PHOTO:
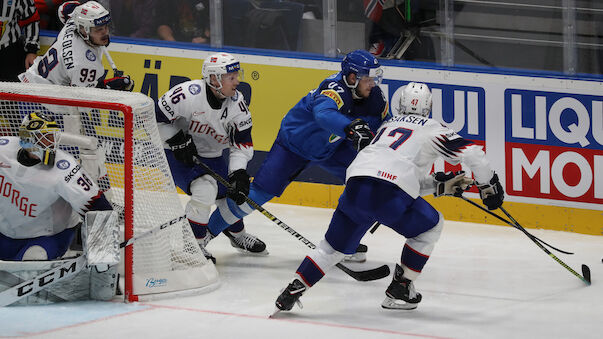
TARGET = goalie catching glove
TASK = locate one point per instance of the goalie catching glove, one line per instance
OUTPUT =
(492, 193)
(120, 83)
(451, 183)
(183, 147)
(239, 186)
(359, 133)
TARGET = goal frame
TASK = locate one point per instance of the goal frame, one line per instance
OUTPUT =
(128, 180)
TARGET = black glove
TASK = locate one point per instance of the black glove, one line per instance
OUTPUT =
(359, 133)
(451, 183)
(239, 186)
(183, 147)
(120, 83)
(492, 193)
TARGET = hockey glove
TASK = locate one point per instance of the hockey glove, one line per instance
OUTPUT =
(239, 186)
(359, 133)
(183, 147)
(492, 193)
(119, 83)
(451, 183)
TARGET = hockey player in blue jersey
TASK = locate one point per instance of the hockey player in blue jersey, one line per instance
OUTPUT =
(327, 128)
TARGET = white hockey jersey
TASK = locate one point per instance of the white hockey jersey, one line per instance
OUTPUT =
(70, 61)
(40, 200)
(212, 130)
(405, 148)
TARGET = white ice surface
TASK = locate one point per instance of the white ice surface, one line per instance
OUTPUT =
(482, 281)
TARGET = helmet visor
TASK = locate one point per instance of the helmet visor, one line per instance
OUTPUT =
(375, 74)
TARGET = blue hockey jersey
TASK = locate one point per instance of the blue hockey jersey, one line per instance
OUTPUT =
(314, 127)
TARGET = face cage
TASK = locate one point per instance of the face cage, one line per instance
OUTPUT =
(42, 144)
(241, 77)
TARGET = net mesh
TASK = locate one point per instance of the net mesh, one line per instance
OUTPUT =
(164, 261)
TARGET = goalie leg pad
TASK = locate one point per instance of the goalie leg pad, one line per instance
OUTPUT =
(318, 262)
(103, 283)
(100, 233)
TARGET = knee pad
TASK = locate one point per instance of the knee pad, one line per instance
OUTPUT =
(204, 190)
(325, 256)
(425, 242)
(35, 252)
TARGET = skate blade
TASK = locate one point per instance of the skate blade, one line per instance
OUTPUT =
(275, 312)
(254, 254)
(396, 304)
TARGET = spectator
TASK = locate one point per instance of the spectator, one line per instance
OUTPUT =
(184, 20)
(134, 18)
(19, 37)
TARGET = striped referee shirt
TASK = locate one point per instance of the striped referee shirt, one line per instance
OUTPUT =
(19, 17)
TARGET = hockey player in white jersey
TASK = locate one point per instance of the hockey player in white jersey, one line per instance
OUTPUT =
(75, 58)
(44, 193)
(385, 183)
(203, 118)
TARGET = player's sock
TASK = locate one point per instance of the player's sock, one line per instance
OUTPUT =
(400, 293)
(203, 238)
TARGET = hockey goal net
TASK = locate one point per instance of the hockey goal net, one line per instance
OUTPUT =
(120, 127)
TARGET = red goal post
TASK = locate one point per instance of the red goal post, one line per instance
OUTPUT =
(120, 130)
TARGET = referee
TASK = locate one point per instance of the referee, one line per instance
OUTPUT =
(19, 37)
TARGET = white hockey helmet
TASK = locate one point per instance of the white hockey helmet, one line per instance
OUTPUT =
(219, 64)
(415, 99)
(39, 135)
(88, 15)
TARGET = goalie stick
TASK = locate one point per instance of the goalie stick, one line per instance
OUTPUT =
(368, 275)
(585, 277)
(66, 270)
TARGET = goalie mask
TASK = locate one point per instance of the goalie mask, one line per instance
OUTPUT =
(88, 16)
(219, 65)
(39, 135)
(363, 64)
(415, 99)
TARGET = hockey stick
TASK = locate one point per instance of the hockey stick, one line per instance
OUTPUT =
(530, 235)
(116, 72)
(585, 269)
(372, 274)
(66, 270)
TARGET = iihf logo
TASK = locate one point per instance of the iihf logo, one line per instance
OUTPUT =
(63, 164)
(90, 55)
(194, 89)
(3, 142)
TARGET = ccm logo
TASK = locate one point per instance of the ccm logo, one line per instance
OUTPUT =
(45, 280)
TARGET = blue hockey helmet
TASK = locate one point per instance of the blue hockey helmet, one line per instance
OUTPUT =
(363, 64)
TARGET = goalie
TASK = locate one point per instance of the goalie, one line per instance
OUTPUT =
(45, 192)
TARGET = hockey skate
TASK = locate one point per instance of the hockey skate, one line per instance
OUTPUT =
(246, 243)
(290, 296)
(401, 294)
(203, 243)
(359, 256)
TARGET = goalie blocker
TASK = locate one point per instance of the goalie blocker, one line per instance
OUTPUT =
(92, 276)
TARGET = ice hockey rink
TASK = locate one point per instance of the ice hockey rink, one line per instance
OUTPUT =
(482, 281)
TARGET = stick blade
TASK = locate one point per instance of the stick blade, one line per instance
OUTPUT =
(586, 273)
(368, 275)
